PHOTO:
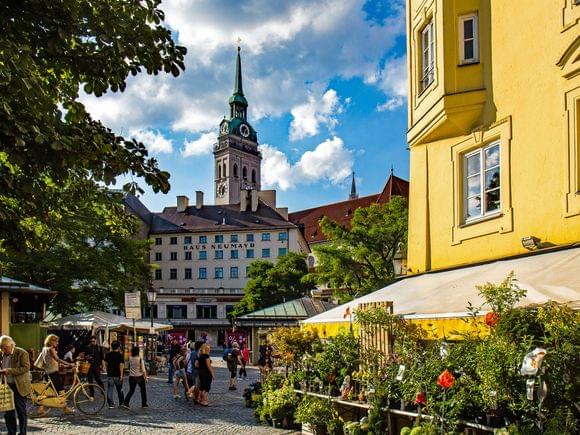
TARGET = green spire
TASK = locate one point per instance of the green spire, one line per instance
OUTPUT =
(238, 90)
(238, 103)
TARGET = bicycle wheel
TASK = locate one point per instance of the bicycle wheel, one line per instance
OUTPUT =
(87, 402)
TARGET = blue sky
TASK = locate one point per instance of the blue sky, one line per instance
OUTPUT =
(325, 82)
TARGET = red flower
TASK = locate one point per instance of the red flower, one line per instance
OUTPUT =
(491, 319)
(446, 379)
(421, 399)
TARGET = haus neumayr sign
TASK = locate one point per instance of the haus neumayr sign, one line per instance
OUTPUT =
(208, 246)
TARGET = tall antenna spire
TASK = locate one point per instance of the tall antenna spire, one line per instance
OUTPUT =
(353, 194)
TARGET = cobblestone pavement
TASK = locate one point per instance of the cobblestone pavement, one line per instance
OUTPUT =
(225, 415)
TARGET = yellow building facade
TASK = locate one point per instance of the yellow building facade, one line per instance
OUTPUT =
(494, 129)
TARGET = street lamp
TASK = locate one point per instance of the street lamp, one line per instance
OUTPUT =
(152, 298)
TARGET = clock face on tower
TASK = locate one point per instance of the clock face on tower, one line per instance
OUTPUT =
(244, 130)
(222, 190)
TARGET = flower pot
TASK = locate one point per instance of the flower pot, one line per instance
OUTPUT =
(493, 420)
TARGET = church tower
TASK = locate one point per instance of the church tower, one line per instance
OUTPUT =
(236, 155)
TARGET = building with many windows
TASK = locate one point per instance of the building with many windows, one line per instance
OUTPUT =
(494, 110)
(494, 139)
(201, 253)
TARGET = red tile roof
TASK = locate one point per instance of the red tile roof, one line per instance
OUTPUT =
(342, 212)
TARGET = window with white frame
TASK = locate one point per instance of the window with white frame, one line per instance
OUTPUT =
(481, 182)
(468, 39)
(427, 55)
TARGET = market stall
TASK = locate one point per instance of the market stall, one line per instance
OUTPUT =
(438, 300)
(107, 327)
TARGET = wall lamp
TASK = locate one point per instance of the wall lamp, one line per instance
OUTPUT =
(530, 242)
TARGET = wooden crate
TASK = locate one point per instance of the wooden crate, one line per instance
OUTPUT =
(375, 340)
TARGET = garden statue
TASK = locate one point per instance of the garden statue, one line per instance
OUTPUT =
(345, 388)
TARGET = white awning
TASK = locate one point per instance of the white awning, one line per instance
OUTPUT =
(552, 276)
(101, 320)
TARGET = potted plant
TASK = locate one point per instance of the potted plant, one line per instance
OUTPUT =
(281, 405)
(316, 413)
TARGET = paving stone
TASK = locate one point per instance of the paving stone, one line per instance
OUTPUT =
(225, 415)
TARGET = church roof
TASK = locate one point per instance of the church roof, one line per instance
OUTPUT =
(343, 211)
(211, 218)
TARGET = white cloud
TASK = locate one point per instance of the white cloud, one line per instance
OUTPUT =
(153, 140)
(290, 52)
(276, 170)
(330, 161)
(309, 116)
(392, 80)
(201, 146)
(391, 104)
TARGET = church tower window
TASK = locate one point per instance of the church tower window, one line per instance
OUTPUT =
(253, 175)
(235, 170)
(245, 173)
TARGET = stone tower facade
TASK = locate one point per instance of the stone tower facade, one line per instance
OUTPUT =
(236, 155)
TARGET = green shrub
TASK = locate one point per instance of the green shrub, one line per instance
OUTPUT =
(314, 411)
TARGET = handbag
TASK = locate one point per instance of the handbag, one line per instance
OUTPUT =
(6, 396)
(40, 362)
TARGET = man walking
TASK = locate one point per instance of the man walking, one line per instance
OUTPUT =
(16, 368)
(94, 355)
(115, 365)
(174, 350)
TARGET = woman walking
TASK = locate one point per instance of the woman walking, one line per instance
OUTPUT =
(49, 359)
(179, 374)
(206, 374)
(137, 376)
(193, 372)
(245, 360)
(234, 359)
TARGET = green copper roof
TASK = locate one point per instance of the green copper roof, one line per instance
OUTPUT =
(298, 309)
(239, 99)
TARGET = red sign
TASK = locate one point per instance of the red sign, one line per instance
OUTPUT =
(238, 336)
(179, 334)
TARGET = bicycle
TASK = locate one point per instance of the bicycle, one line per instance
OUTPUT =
(88, 398)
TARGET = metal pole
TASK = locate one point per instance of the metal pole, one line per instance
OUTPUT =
(153, 339)
(134, 334)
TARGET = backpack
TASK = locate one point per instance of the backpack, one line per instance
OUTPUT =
(227, 356)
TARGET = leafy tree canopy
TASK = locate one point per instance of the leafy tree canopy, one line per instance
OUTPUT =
(271, 284)
(359, 260)
(60, 225)
(90, 260)
(52, 153)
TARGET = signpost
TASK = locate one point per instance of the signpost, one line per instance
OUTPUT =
(133, 309)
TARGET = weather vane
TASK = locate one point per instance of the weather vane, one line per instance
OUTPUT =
(239, 40)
